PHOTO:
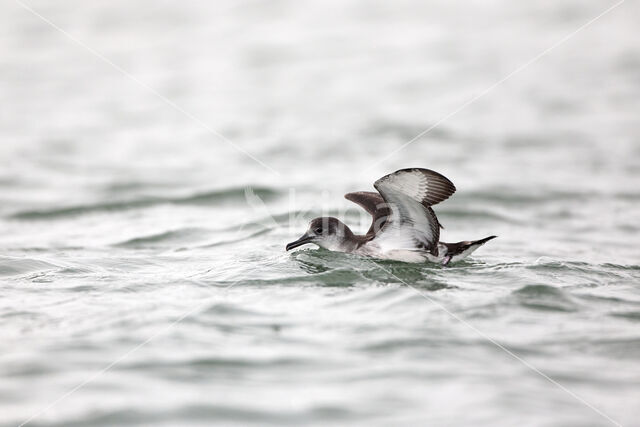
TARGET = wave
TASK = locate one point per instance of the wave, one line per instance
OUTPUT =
(510, 196)
(18, 266)
(239, 239)
(476, 215)
(172, 236)
(544, 297)
(342, 277)
(211, 413)
(204, 198)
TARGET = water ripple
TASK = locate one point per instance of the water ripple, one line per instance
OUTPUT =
(204, 198)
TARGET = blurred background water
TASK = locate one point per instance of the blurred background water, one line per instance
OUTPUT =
(127, 234)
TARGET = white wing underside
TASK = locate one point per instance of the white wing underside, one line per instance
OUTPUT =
(408, 227)
(412, 225)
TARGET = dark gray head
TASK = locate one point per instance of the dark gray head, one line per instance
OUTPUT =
(327, 232)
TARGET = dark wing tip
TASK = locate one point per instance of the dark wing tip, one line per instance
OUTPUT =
(369, 200)
(373, 203)
(438, 187)
(358, 195)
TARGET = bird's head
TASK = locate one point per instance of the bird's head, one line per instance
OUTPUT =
(327, 232)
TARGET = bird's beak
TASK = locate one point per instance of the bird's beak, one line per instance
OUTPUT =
(306, 238)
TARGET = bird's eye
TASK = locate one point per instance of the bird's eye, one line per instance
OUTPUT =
(318, 230)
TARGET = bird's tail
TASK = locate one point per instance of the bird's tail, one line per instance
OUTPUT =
(462, 250)
(482, 241)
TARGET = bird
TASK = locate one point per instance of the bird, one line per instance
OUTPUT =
(404, 226)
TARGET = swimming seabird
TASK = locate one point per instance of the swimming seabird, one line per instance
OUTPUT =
(404, 227)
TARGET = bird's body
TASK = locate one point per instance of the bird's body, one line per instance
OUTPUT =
(447, 252)
(404, 227)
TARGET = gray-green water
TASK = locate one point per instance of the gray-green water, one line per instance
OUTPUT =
(141, 284)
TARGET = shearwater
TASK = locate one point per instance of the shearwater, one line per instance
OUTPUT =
(404, 226)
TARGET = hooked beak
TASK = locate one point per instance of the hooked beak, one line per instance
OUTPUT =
(306, 238)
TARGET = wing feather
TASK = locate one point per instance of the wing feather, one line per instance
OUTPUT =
(423, 185)
(412, 224)
(373, 203)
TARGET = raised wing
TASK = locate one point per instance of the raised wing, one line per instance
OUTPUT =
(373, 203)
(422, 185)
(412, 224)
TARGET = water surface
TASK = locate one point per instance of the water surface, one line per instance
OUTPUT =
(136, 266)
